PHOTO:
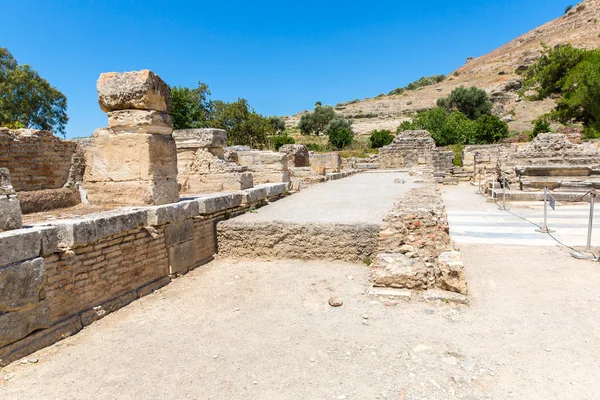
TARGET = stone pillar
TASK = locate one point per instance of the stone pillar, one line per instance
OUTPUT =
(134, 160)
(10, 209)
(201, 162)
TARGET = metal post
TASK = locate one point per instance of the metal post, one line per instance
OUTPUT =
(591, 221)
(504, 194)
(544, 229)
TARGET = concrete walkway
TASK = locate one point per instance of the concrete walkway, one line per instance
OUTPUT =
(363, 198)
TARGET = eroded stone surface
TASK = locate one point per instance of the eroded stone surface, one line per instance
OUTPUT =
(21, 284)
(451, 273)
(200, 138)
(10, 208)
(297, 155)
(140, 121)
(140, 90)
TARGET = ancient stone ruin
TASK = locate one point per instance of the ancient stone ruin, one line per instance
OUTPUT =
(412, 149)
(201, 162)
(134, 160)
(265, 166)
(10, 208)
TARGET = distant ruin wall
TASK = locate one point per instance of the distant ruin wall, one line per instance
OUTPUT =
(57, 278)
(36, 160)
(415, 149)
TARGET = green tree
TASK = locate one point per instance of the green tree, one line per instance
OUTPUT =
(314, 123)
(457, 129)
(278, 124)
(380, 138)
(243, 124)
(191, 107)
(490, 129)
(540, 125)
(27, 99)
(473, 102)
(340, 133)
(547, 76)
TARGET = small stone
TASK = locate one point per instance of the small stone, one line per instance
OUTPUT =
(335, 301)
(214, 357)
(420, 348)
(428, 312)
(255, 382)
(312, 360)
(33, 361)
(365, 317)
(365, 322)
(341, 397)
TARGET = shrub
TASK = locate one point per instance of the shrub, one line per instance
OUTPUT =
(568, 8)
(340, 133)
(473, 102)
(316, 147)
(540, 125)
(314, 123)
(424, 81)
(380, 138)
(279, 140)
(405, 126)
(457, 149)
(491, 129)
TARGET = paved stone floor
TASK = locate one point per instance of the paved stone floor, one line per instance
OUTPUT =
(250, 329)
(363, 198)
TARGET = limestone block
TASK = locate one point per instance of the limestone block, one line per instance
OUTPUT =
(93, 227)
(260, 177)
(140, 90)
(21, 284)
(255, 195)
(297, 155)
(200, 138)
(19, 245)
(330, 161)
(6, 187)
(181, 257)
(164, 214)
(10, 213)
(158, 191)
(227, 181)
(220, 202)
(275, 189)
(451, 275)
(16, 325)
(179, 232)
(131, 157)
(140, 121)
(262, 161)
(303, 172)
(400, 271)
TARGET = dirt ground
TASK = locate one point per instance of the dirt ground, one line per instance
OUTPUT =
(249, 329)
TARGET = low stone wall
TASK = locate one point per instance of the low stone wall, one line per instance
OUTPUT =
(57, 278)
(415, 247)
(287, 240)
(332, 162)
(49, 199)
(415, 149)
(36, 160)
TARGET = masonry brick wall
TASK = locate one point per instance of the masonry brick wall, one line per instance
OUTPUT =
(36, 159)
(88, 276)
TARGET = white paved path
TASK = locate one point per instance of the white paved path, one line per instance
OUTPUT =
(473, 220)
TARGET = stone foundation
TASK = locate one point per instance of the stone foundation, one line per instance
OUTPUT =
(265, 166)
(331, 162)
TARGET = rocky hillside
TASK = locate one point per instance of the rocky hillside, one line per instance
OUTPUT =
(494, 72)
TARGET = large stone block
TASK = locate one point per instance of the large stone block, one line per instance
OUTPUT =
(166, 213)
(6, 187)
(332, 162)
(10, 213)
(16, 325)
(156, 192)
(140, 121)
(200, 138)
(260, 177)
(205, 183)
(451, 275)
(220, 202)
(181, 257)
(140, 90)
(131, 157)
(179, 232)
(297, 155)
(21, 284)
(19, 245)
(262, 160)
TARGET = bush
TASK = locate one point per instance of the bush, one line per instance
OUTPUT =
(314, 123)
(568, 8)
(279, 140)
(380, 138)
(340, 133)
(424, 81)
(491, 129)
(540, 125)
(405, 126)
(457, 149)
(473, 102)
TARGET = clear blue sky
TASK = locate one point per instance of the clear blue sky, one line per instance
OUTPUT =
(282, 56)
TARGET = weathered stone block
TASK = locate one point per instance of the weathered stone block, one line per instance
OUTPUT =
(131, 157)
(227, 181)
(181, 257)
(140, 90)
(160, 191)
(255, 195)
(6, 186)
(220, 202)
(266, 176)
(93, 227)
(21, 284)
(16, 325)
(19, 245)
(297, 155)
(332, 162)
(400, 271)
(275, 189)
(10, 213)
(140, 121)
(451, 275)
(200, 138)
(164, 214)
(179, 232)
(259, 161)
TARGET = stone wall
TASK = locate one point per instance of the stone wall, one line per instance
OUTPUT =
(415, 149)
(332, 162)
(59, 277)
(265, 166)
(36, 159)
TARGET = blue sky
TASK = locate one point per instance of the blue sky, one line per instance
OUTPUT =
(282, 56)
